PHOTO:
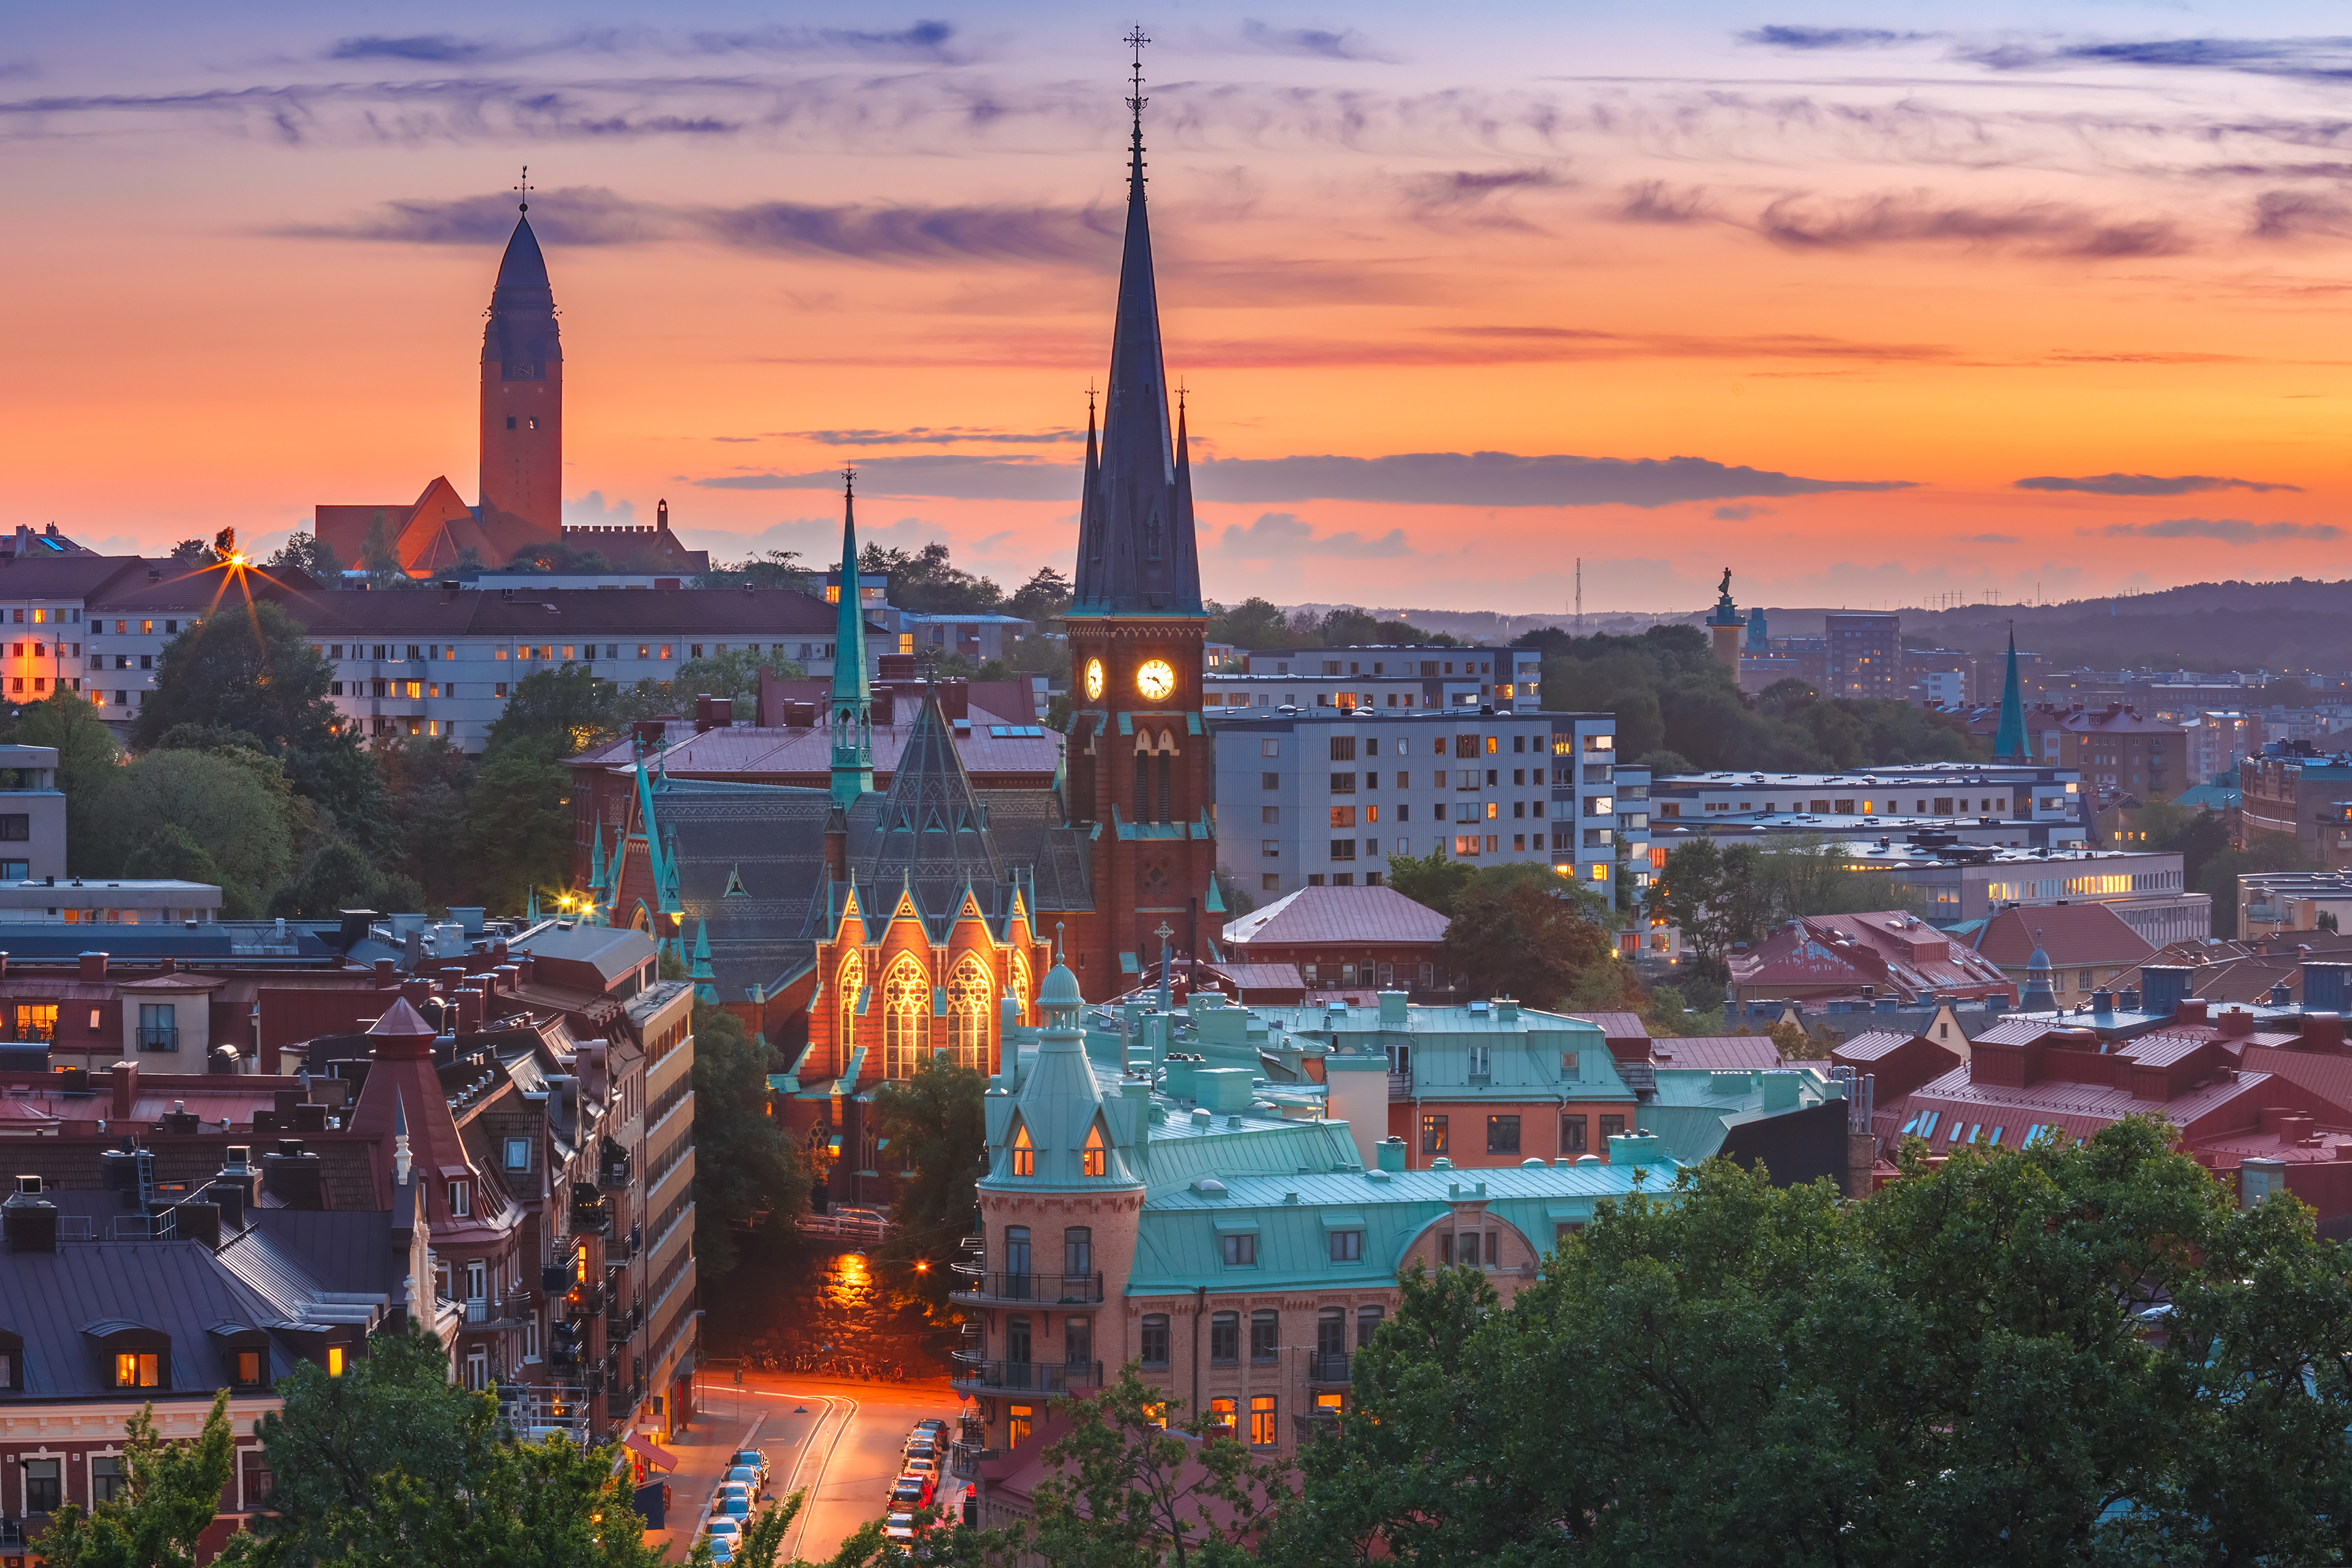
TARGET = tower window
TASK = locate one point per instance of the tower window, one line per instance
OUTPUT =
(511, 422)
(534, 422)
(1095, 1158)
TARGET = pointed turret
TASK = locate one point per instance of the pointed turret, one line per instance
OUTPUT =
(1137, 555)
(705, 978)
(853, 697)
(2011, 742)
(1056, 1134)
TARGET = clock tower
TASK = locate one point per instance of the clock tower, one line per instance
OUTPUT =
(1138, 753)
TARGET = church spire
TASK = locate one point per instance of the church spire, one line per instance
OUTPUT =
(1137, 555)
(2011, 742)
(852, 706)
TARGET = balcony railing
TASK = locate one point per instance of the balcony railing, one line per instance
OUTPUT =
(1028, 1376)
(159, 1037)
(1056, 1290)
(489, 1312)
(591, 1217)
(1328, 1367)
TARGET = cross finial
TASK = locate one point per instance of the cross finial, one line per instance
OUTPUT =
(1057, 942)
(523, 186)
(849, 483)
(1136, 39)
(1090, 397)
(1180, 390)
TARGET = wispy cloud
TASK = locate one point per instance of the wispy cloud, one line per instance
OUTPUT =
(1318, 43)
(1789, 37)
(2059, 228)
(1281, 536)
(2145, 484)
(1992, 538)
(1079, 237)
(591, 511)
(945, 435)
(1425, 479)
(2227, 530)
(923, 41)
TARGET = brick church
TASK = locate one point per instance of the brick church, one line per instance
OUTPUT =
(859, 928)
(520, 505)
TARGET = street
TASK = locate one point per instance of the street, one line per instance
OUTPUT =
(841, 1441)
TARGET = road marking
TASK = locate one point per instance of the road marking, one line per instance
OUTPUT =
(834, 1404)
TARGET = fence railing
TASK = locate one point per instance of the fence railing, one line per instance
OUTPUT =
(1028, 1376)
(1057, 1289)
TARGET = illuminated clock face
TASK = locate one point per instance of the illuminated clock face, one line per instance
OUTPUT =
(1093, 679)
(1156, 679)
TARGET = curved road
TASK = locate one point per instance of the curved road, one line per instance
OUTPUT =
(842, 1441)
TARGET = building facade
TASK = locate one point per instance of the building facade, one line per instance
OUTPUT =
(1378, 677)
(2119, 753)
(1865, 654)
(2297, 793)
(1322, 797)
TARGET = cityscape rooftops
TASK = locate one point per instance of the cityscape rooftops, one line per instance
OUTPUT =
(2072, 934)
(1337, 916)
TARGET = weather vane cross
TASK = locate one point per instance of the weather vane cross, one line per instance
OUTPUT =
(1136, 39)
(523, 186)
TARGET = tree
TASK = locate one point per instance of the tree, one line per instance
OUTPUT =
(425, 779)
(338, 876)
(767, 569)
(87, 760)
(937, 1132)
(1434, 879)
(194, 555)
(169, 808)
(1252, 623)
(171, 1492)
(255, 672)
(1519, 938)
(518, 822)
(567, 707)
(1123, 1491)
(307, 553)
(390, 1465)
(555, 558)
(2067, 1352)
(926, 582)
(745, 1169)
(380, 558)
(1045, 597)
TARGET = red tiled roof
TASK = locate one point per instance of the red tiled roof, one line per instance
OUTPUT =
(2052, 1099)
(1337, 915)
(1888, 950)
(2071, 934)
(1260, 976)
(1616, 1025)
(1717, 1053)
(2324, 1075)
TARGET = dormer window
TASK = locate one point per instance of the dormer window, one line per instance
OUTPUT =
(1025, 1153)
(138, 1368)
(461, 1201)
(1094, 1158)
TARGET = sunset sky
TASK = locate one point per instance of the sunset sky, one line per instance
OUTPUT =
(1871, 304)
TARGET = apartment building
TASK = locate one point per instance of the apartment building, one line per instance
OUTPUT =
(1399, 678)
(1950, 883)
(1322, 796)
(2023, 805)
(441, 661)
(1865, 654)
(2117, 751)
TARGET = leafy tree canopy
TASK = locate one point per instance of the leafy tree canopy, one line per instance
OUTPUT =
(935, 1127)
(307, 552)
(170, 1494)
(744, 1167)
(764, 569)
(926, 582)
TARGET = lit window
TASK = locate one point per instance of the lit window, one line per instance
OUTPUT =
(335, 1360)
(1025, 1153)
(1094, 1158)
(1264, 1432)
(136, 1368)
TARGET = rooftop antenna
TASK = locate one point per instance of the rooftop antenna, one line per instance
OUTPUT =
(523, 186)
(1057, 942)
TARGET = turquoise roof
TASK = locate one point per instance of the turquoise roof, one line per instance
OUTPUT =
(1179, 1242)
(1694, 1110)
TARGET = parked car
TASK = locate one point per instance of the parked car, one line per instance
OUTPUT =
(923, 1465)
(732, 1497)
(909, 1492)
(727, 1530)
(756, 1460)
(934, 1425)
(751, 1477)
(924, 1481)
(723, 1549)
(899, 1527)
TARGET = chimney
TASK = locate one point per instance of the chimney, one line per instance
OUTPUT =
(2191, 1010)
(417, 991)
(125, 1083)
(2324, 1032)
(28, 1222)
(722, 713)
(93, 966)
(293, 1176)
(386, 971)
(661, 517)
(702, 713)
(197, 1222)
(2236, 1022)
(469, 1009)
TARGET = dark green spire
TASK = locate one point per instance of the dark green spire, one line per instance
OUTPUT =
(2011, 742)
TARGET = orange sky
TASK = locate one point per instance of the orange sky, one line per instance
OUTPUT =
(252, 252)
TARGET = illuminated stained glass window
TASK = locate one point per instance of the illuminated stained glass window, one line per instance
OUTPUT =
(851, 981)
(1095, 1157)
(906, 1020)
(968, 1005)
(1025, 1153)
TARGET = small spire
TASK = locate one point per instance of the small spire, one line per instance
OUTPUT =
(1136, 39)
(523, 186)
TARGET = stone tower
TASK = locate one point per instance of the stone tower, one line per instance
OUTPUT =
(523, 402)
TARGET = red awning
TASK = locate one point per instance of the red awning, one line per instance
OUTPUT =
(649, 1453)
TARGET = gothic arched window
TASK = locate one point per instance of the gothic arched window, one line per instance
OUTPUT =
(849, 984)
(1021, 983)
(968, 1005)
(906, 1018)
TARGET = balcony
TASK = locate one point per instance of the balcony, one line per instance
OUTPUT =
(591, 1215)
(1054, 1290)
(159, 1037)
(1328, 1369)
(1040, 1378)
(613, 1167)
(489, 1312)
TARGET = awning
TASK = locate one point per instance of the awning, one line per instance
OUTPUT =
(649, 1453)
